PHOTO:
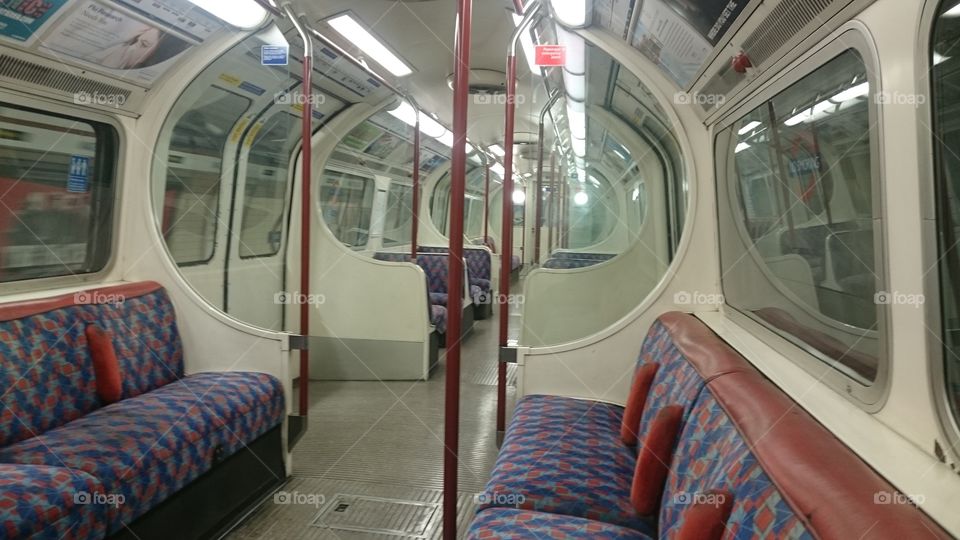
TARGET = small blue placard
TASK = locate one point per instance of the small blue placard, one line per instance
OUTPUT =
(274, 55)
(78, 181)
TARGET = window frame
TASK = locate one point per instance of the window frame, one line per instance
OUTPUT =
(109, 155)
(929, 169)
(868, 397)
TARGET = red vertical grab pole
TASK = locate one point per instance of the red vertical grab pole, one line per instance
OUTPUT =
(306, 214)
(486, 203)
(416, 190)
(506, 230)
(458, 172)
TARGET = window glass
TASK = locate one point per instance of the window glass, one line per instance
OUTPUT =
(397, 227)
(799, 252)
(946, 101)
(192, 193)
(347, 204)
(56, 195)
(266, 187)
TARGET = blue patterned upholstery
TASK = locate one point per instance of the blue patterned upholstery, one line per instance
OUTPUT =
(148, 447)
(569, 264)
(50, 503)
(512, 524)
(438, 299)
(438, 318)
(713, 455)
(437, 268)
(478, 261)
(600, 257)
(47, 376)
(565, 456)
(515, 263)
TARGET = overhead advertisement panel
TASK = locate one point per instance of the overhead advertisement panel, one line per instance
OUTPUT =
(180, 14)
(614, 15)
(680, 35)
(115, 42)
(20, 20)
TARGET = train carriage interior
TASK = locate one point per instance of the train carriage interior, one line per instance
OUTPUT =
(493, 269)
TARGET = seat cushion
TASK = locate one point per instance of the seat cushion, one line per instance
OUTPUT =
(439, 299)
(484, 284)
(54, 503)
(515, 262)
(564, 456)
(148, 447)
(511, 523)
(438, 318)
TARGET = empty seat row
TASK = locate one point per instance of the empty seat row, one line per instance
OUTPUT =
(100, 422)
(705, 448)
(479, 265)
(566, 260)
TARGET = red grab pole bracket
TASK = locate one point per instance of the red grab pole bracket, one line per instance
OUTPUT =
(506, 231)
(416, 190)
(306, 214)
(461, 94)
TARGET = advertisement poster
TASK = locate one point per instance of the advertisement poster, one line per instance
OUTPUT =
(710, 18)
(668, 40)
(20, 20)
(385, 146)
(116, 43)
(614, 15)
(361, 136)
(180, 14)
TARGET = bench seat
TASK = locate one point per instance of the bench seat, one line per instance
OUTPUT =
(48, 503)
(512, 523)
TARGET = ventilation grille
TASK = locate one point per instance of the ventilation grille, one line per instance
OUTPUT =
(786, 21)
(56, 79)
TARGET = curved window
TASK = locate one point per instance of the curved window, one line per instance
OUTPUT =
(800, 233)
(946, 107)
(473, 204)
(347, 204)
(192, 193)
(265, 191)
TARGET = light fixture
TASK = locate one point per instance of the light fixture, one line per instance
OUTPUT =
(572, 12)
(741, 147)
(349, 28)
(579, 147)
(581, 198)
(939, 58)
(519, 197)
(240, 13)
(497, 169)
(801, 117)
(428, 126)
(636, 193)
(577, 119)
(952, 12)
(498, 150)
(749, 127)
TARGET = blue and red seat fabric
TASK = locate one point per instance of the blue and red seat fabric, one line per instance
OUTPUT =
(564, 468)
(69, 461)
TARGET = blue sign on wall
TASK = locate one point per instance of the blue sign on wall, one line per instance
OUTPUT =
(78, 180)
(274, 55)
(19, 20)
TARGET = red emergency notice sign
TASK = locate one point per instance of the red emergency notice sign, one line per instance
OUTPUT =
(551, 55)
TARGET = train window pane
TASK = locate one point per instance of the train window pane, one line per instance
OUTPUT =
(799, 236)
(397, 227)
(473, 204)
(347, 204)
(946, 101)
(265, 191)
(192, 193)
(56, 195)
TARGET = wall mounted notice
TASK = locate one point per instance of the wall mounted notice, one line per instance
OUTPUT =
(180, 14)
(614, 15)
(20, 19)
(115, 42)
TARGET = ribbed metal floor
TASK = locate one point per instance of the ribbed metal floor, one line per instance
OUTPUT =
(385, 440)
